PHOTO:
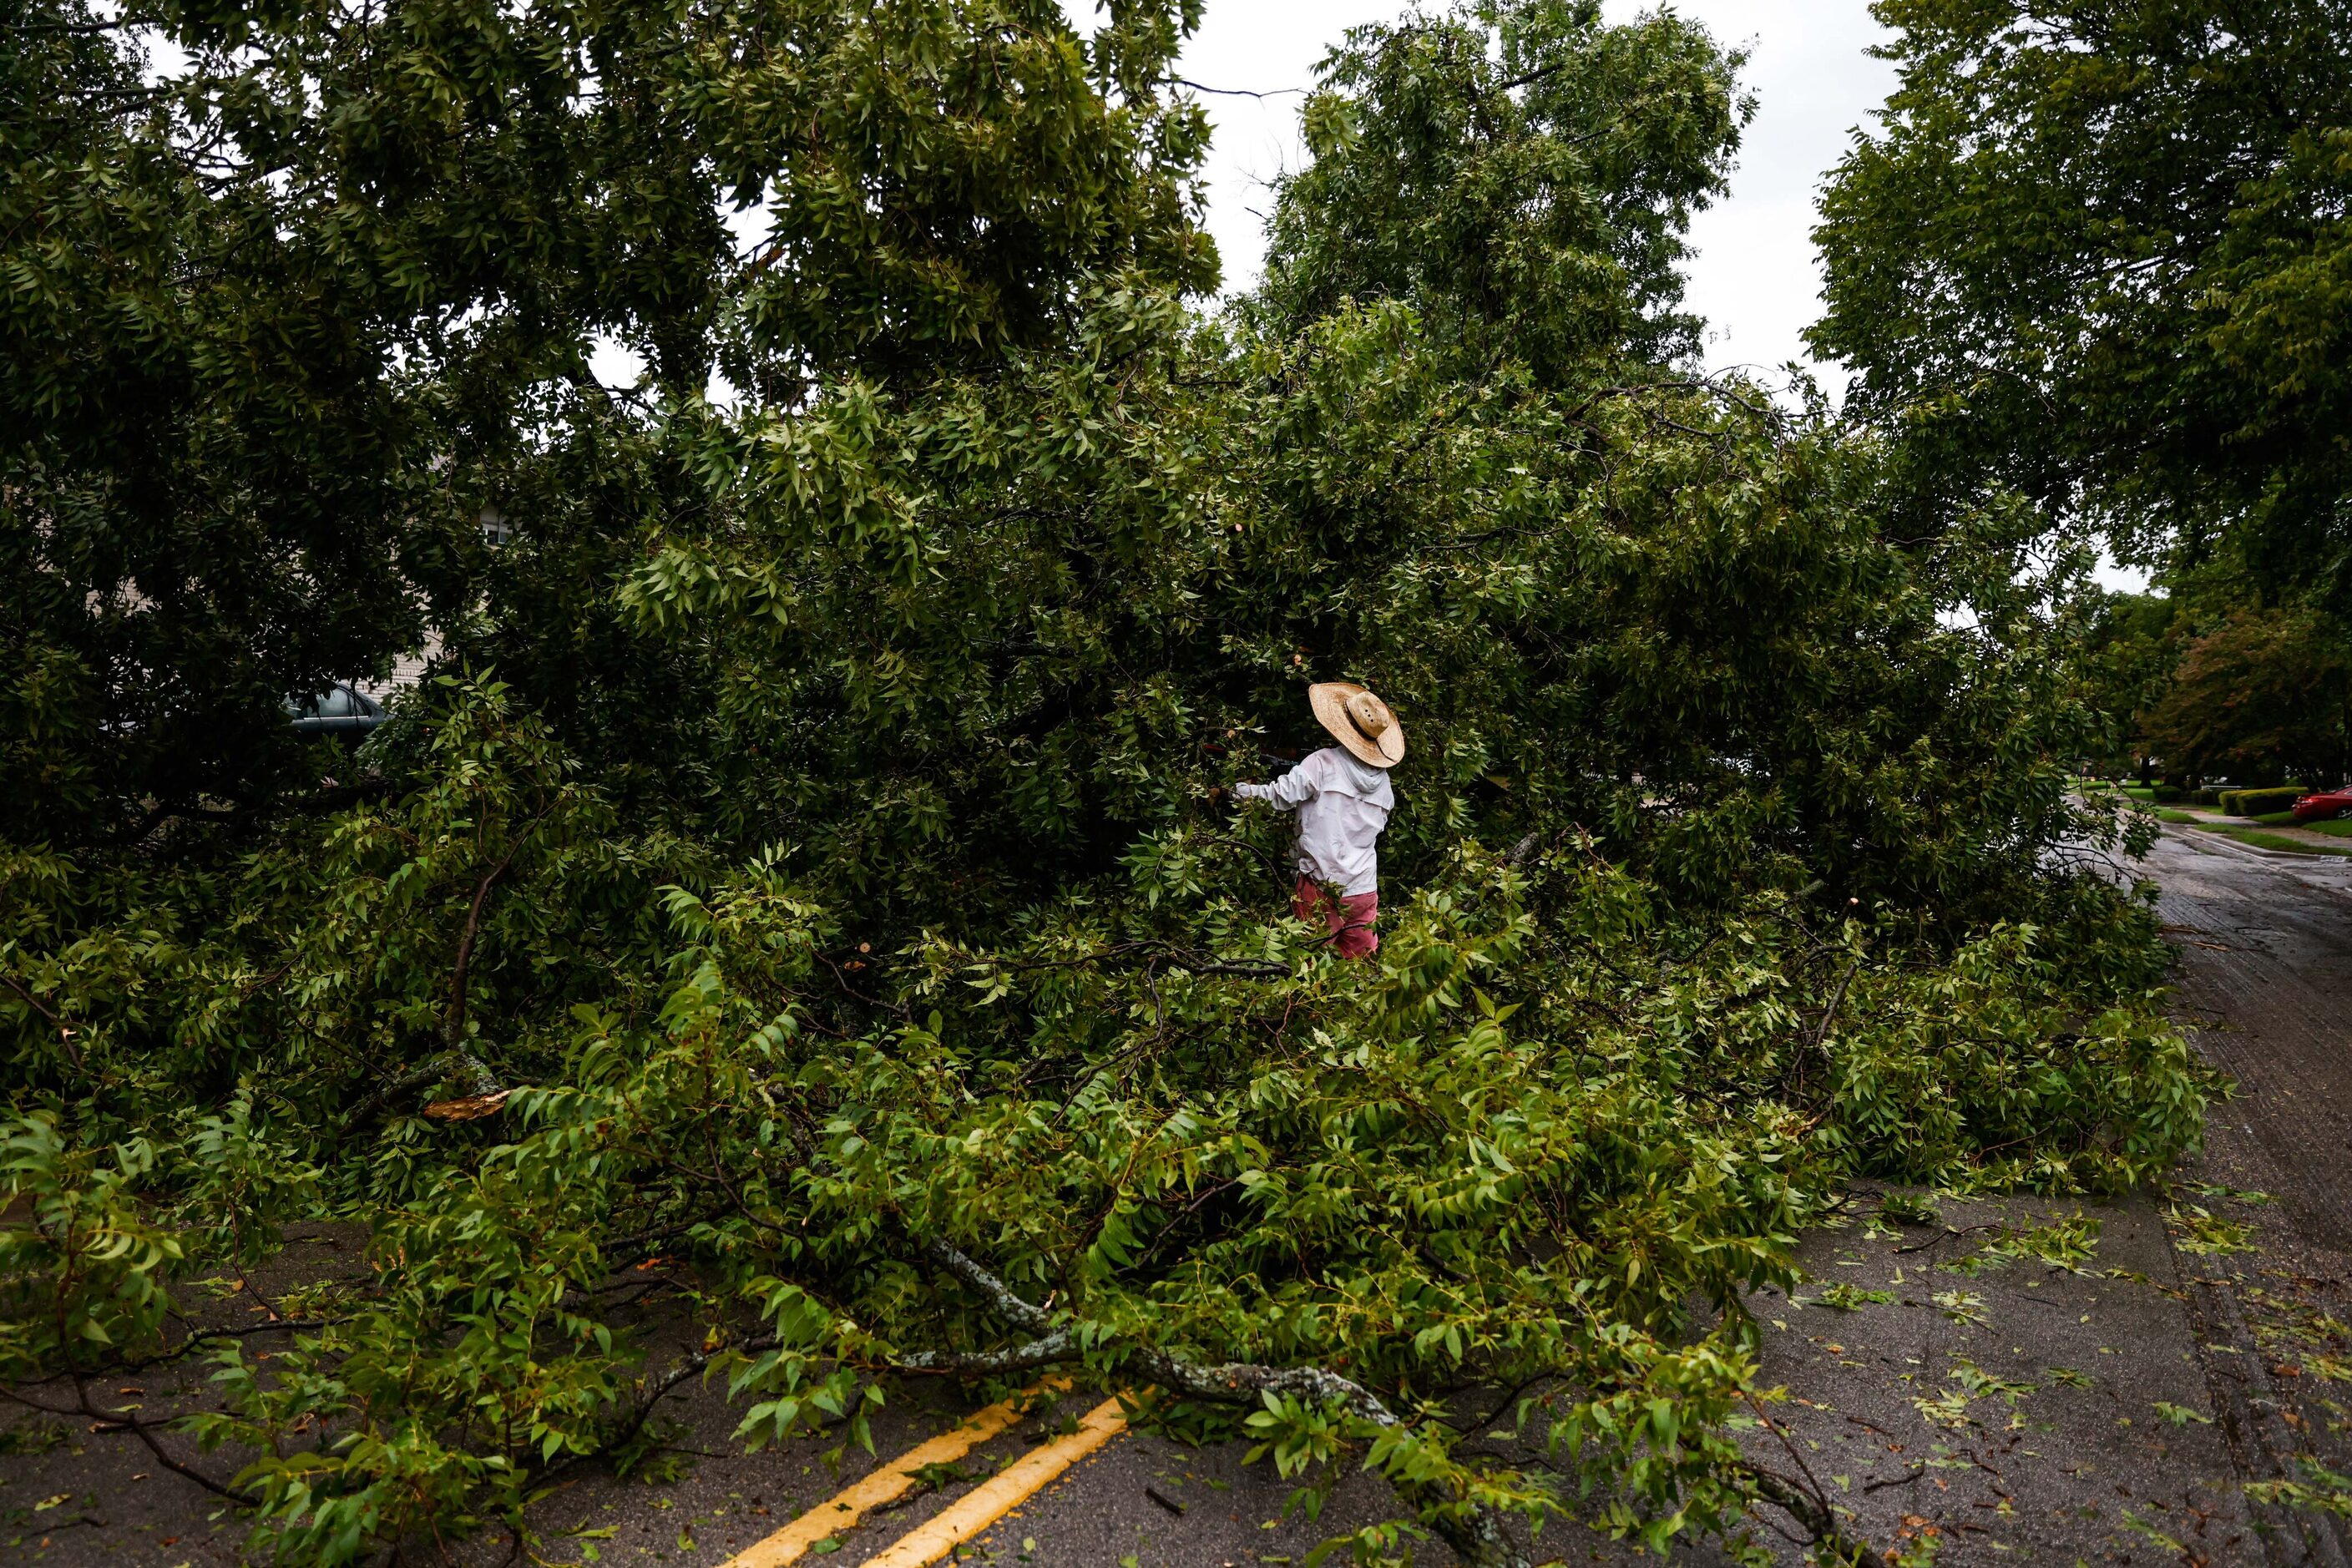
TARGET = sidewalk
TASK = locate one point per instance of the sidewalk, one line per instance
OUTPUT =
(2205, 819)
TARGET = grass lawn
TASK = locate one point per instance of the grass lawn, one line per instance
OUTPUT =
(2274, 819)
(2341, 829)
(2261, 840)
(2166, 813)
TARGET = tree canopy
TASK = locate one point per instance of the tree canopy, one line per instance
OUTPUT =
(2099, 254)
(279, 322)
(806, 863)
(2208, 686)
(2259, 698)
(1526, 184)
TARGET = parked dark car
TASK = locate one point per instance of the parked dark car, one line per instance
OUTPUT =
(340, 710)
(2325, 806)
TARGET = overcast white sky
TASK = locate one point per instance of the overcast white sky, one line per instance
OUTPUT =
(1754, 279)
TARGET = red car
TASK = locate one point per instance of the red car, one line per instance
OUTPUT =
(2325, 806)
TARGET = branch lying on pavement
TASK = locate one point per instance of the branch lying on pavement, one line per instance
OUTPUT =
(1810, 1512)
(1047, 1352)
(108, 1422)
(1475, 1533)
(1805, 1502)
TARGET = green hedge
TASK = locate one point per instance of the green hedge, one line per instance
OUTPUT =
(2255, 802)
(2165, 794)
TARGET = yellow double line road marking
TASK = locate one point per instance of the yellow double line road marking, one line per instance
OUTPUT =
(968, 1515)
(982, 1507)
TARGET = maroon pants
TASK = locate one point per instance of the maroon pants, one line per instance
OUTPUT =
(1350, 919)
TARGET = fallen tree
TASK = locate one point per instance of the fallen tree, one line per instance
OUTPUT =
(809, 864)
(1346, 1202)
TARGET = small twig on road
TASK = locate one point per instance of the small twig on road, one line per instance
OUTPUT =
(106, 1423)
(1949, 1232)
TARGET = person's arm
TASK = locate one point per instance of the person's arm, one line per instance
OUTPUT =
(1288, 792)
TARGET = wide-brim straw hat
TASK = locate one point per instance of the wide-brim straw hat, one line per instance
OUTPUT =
(1358, 720)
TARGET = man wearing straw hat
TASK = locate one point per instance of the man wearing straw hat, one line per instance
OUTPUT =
(1343, 800)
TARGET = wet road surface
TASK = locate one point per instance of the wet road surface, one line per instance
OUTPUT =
(2266, 980)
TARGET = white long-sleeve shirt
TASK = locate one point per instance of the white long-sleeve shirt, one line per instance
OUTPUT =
(1342, 806)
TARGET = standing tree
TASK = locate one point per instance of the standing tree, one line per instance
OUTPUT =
(1526, 185)
(2129, 647)
(2101, 254)
(2259, 698)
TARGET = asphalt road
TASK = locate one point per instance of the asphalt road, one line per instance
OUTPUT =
(1997, 1412)
(2265, 940)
